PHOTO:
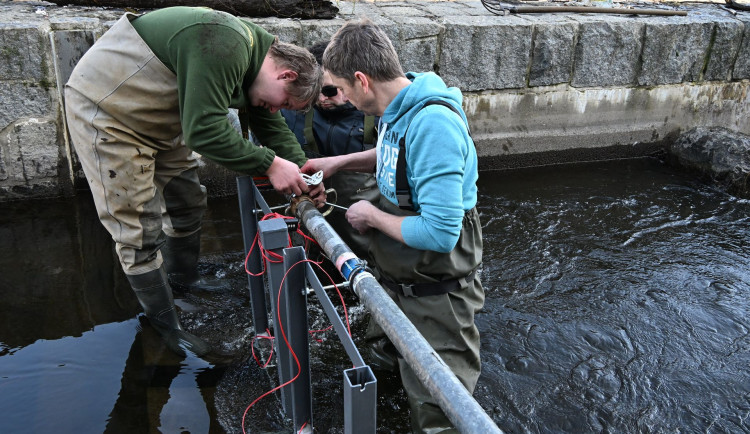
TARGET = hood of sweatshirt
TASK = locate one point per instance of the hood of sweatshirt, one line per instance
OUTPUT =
(425, 87)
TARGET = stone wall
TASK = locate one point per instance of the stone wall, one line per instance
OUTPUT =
(539, 88)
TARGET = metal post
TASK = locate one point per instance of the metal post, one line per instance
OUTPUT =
(274, 235)
(246, 193)
(360, 401)
(289, 312)
(457, 403)
(360, 384)
(294, 318)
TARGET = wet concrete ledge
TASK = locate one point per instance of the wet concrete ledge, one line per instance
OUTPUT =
(539, 89)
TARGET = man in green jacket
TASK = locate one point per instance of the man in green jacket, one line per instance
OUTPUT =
(149, 93)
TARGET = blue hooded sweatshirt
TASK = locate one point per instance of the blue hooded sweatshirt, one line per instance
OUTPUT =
(441, 161)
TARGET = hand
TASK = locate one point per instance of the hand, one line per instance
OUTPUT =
(318, 195)
(285, 178)
(359, 215)
(326, 164)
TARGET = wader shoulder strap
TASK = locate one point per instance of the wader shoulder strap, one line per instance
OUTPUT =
(403, 193)
(369, 138)
(312, 145)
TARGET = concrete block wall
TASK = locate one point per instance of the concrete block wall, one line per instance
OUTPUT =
(539, 88)
(39, 45)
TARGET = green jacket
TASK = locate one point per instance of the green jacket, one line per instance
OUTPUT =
(215, 57)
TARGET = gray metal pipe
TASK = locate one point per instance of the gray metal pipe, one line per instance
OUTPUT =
(457, 403)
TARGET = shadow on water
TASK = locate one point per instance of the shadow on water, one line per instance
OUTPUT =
(618, 298)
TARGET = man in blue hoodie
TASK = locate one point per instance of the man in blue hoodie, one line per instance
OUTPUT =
(426, 239)
(334, 127)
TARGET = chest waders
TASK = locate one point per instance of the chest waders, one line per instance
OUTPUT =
(440, 293)
(413, 272)
(123, 116)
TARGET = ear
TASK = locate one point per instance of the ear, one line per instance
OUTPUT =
(363, 80)
(287, 75)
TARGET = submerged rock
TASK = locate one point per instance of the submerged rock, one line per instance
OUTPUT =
(718, 154)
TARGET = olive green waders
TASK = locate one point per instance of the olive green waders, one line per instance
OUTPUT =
(123, 118)
(445, 320)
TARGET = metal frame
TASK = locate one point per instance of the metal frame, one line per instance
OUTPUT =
(360, 384)
(249, 197)
(274, 236)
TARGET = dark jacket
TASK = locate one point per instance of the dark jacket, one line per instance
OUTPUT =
(332, 132)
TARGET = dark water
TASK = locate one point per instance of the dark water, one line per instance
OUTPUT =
(618, 300)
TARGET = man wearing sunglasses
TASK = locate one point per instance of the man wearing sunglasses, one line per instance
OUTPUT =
(335, 127)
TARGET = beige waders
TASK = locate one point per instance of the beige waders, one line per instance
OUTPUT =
(446, 320)
(123, 118)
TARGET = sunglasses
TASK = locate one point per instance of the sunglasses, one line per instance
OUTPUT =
(329, 91)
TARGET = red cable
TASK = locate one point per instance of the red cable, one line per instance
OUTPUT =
(276, 258)
(265, 253)
(286, 341)
(312, 332)
(265, 182)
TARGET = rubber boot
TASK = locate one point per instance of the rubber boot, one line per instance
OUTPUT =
(155, 296)
(383, 355)
(181, 263)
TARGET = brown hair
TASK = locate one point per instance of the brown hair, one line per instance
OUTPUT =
(362, 46)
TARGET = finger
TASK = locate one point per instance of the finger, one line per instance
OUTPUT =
(318, 191)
